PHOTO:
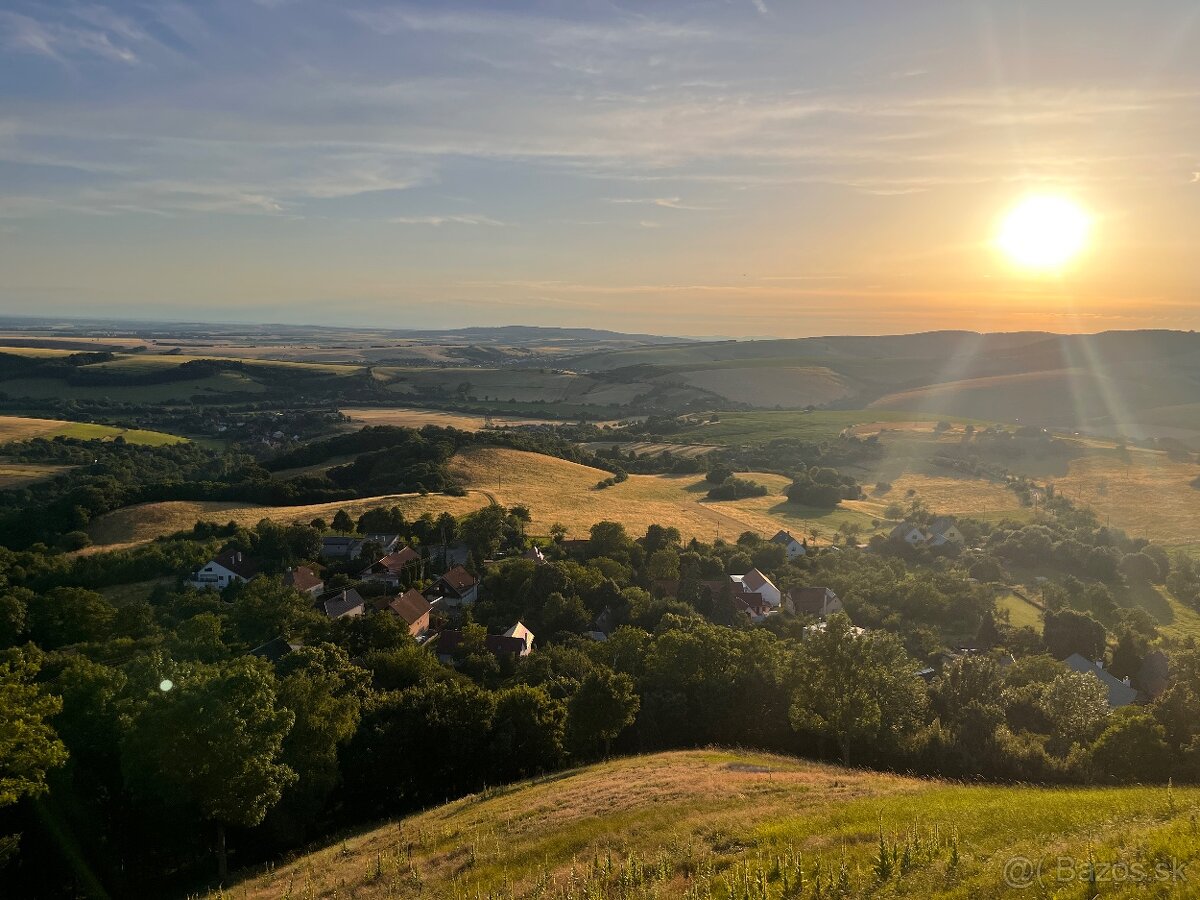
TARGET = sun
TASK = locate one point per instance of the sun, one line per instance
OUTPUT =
(1044, 233)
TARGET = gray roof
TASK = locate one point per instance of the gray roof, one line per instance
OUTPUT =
(1119, 693)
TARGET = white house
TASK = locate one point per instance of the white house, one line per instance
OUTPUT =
(790, 545)
(755, 582)
(522, 633)
(944, 531)
(231, 567)
(909, 534)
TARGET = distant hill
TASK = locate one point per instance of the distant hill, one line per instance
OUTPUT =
(1123, 381)
(721, 824)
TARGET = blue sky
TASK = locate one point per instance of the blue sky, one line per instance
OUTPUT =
(735, 167)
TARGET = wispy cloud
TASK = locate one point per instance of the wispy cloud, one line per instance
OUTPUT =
(76, 31)
(438, 221)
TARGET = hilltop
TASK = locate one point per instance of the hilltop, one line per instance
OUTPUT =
(738, 824)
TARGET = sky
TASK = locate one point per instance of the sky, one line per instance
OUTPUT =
(713, 167)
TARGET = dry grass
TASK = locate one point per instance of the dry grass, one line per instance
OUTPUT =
(717, 824)
(20, 474)
(146, 521)
(20, 428)
(556, 490)
(1144, 493)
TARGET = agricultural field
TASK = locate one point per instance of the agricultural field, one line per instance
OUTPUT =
(651, 449)
(1143, 492)
(411, 417)
(733, 428)
(784, 386)
(20, 428)
(735, 824)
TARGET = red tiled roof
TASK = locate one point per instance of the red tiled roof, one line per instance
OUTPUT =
(410, 606)
(302, 578)
(459, 579)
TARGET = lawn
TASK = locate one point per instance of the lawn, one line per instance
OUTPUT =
(735, 824)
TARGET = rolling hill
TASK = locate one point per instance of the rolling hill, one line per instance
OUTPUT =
(732, 824)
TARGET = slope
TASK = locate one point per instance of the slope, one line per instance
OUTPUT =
(722, 824)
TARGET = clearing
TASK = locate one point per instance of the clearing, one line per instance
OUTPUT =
(721, 824)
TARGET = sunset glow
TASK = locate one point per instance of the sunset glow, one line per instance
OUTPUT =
(1044, 233)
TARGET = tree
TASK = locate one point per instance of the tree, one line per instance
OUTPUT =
(854, 688)
(14, 609)
(967, 700)
(1076, 705)
(323, 690)
(527, 732)
(342, 523)
(604, 705)
(264, 609)
(29, 746)
(1132, 748)
(1128, 655)
(69, 615)
(212, 742)
(608, 539)
(1067, 631)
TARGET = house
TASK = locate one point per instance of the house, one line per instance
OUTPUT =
(522, 633)
(1120, 693)
(341, 547)
(390, 569)
(790, 545)
(411, 608)
(458, 587)
(908, 533)
(534, 553)
(230, 567)
(755, 582)
(812, 601)
(517, 641)
(943, 531)
(343, 604)
(753, 605)
(305, 580)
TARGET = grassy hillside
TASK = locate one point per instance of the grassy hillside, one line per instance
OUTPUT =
(556, 490)
(21, 428)
(147, 521)
(727, 824)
